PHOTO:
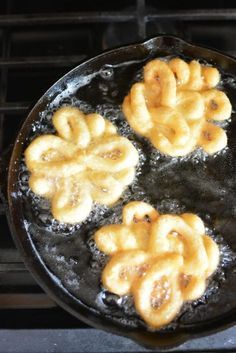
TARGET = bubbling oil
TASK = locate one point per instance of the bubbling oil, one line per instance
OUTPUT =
(195, 183)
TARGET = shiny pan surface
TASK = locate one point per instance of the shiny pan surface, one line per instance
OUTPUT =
(65, 261)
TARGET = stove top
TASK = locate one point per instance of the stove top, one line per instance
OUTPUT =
(39, 42)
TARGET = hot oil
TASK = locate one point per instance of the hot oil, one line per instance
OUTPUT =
(196, 183)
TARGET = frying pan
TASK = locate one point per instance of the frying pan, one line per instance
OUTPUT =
(64, 259)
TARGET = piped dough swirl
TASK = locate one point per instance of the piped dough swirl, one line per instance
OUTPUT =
(162, 260)
(175, 107)
(85, 162)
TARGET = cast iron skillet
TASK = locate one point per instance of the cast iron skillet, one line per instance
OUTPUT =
(60, 258)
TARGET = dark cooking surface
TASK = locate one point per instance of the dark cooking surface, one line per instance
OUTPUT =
(73, 266)
(33, 56)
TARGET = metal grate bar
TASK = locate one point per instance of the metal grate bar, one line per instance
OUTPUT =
(193, 15)
(4, 79)
(12, 267)
(66, 18)
(15, 107)
(141, 18)
(44, 62)
(9, 255)
(105, 17)
(25, 301)
(2, 209)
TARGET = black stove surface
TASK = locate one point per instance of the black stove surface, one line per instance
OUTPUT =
(39, 42)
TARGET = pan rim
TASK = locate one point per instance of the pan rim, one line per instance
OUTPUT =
(39, 269)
